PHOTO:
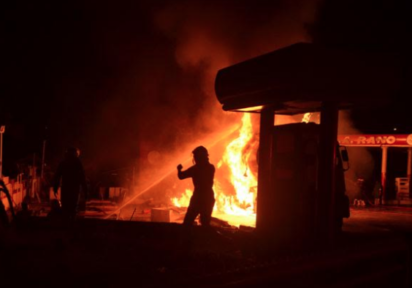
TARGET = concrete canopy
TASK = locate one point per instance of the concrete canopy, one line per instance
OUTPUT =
(298, 78)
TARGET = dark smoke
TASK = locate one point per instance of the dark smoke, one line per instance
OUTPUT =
(207, 37)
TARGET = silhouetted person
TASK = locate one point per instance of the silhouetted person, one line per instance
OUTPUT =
(4, 220)
(203, 198)
(73, 181)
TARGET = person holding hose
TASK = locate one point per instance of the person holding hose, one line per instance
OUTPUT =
(203, 198)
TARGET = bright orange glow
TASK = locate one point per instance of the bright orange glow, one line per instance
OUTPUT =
(237, 208)
(251, 109)
(306, 117)
(242, 179)
(184, 199)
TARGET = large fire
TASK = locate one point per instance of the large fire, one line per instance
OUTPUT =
(239, 207)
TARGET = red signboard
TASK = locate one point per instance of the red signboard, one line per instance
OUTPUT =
(400, 140)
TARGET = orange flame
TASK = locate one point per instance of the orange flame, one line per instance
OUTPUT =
(184, 199)
(306, 117)
(236, 157)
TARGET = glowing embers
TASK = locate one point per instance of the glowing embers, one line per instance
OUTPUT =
(235, 184)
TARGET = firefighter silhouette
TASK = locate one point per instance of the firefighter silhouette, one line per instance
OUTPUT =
(73, 180)
(203, 199)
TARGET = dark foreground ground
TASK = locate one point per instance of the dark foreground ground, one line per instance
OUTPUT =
(373, 251)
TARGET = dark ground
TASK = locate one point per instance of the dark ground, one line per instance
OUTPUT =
(372, 252)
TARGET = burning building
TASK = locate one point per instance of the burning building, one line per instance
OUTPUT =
(292, 81)
(298, 79)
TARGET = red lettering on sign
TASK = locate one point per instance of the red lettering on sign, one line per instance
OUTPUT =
(376, 140)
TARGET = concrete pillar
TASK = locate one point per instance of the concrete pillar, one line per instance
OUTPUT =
(383, 174)
(264, 169)
(326, 213)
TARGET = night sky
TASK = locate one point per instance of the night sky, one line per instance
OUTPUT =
(119, 79)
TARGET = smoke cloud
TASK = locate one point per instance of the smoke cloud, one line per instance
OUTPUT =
(154, 92)
(206, 37)
(360, 159)
(132, 83)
